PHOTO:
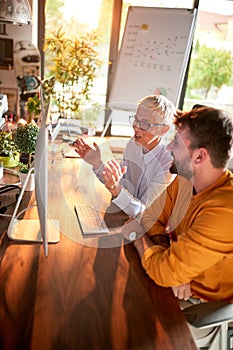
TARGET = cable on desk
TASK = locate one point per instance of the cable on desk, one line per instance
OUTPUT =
(4, 208)
(25, 209)
(6, 215)
(4, 188)
(20, 213)
(7, 188)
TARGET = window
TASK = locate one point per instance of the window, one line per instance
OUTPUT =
(213, 31)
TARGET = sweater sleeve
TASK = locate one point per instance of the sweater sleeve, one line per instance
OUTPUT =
(206, 242)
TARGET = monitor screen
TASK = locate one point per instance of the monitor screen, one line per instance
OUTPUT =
(49, 229)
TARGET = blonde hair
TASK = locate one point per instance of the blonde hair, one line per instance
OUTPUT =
(163, 109)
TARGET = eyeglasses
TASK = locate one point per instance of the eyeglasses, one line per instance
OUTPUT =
(142, 124)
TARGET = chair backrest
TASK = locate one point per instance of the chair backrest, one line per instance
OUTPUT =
(216, 316)
(209, 314)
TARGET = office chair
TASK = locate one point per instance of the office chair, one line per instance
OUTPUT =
(217, 314)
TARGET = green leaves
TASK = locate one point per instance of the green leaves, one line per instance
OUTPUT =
(74, 65)
(210, 68)
(7, 144)
(25, 138)
(34, 105)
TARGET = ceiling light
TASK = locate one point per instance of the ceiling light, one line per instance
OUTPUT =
(15, 12)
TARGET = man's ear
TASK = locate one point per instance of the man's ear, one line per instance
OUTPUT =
(163, 129)
(199, 155)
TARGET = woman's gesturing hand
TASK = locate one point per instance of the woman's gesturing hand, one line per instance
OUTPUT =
(90, 154)
(112, 174)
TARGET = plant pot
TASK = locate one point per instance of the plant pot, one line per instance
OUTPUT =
(9, 162)
(30, 183)
(23, 158)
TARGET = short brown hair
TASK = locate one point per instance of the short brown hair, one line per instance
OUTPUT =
(212, 129)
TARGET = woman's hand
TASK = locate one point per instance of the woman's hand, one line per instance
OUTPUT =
(90, 154)
(112, 175)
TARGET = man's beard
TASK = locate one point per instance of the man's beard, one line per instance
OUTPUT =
(181, 171)
(173, 169)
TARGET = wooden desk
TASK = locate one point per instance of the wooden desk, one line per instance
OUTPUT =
(82, 296)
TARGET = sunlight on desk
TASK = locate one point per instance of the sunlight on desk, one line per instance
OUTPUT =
(81, 296)
(29, 230)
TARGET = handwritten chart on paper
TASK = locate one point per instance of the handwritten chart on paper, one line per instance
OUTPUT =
(153, 56)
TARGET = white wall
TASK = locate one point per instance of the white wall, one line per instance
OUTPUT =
(8, 78)
(17, 33)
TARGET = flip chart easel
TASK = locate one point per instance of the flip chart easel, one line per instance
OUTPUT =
(153, 56)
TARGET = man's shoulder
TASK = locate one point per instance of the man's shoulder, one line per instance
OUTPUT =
(225, 190)
(222, 194)
(226, 182)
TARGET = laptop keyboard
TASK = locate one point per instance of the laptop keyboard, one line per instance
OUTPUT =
(90, 220)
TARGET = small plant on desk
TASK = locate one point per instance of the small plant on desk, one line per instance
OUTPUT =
(25, 141)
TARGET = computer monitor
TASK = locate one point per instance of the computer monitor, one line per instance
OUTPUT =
(41, 180)
(42, 229)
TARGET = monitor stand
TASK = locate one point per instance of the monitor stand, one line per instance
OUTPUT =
(29, 229)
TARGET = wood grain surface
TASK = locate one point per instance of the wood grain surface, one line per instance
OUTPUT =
(88, 293)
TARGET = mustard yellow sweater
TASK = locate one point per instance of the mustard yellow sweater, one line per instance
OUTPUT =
(201, 226)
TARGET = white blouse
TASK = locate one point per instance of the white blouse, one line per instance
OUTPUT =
(146, 178)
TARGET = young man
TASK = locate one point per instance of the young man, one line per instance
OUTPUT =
(196, 212)
(144, 172)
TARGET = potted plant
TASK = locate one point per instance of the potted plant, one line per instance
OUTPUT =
(33, 108)
(25, 141)
(9, 155)
(74, 64)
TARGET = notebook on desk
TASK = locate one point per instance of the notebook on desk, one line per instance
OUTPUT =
(90, 220)
(71, 153)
